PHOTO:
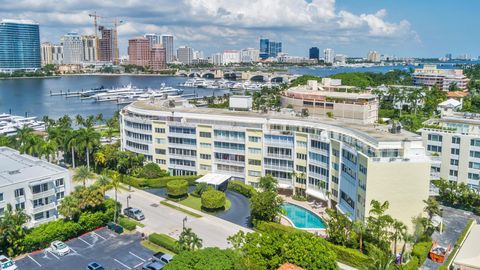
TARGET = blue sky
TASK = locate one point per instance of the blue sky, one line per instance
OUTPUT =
(420, 28)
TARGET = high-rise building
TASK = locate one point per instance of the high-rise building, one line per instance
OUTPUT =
(274, 48)
(197, 55)
(89, 48)
(448, 56)
(249, 55)
(108, 52)
(72, 48)
(314, 53)
(185, 55)
(264, 48)
(52, 54)
(139, 51)
(217, 59)
(19, 45)
(231, 57)
(153, 39)
(373, 56)
(167, 42)
(340, 59)
(158, 57)
(328, 56)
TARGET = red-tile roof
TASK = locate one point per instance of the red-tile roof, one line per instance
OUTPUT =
(457, 94)
(289, 266)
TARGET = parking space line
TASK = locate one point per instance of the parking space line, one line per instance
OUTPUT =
(138, 265)
(53, 254)
(73, 250)
(85, 241)
(124, 265)
(96, 234)
(34, 260)
(137, 256)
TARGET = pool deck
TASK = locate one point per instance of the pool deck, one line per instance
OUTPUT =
(320, 212)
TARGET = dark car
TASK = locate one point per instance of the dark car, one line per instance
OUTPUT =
(162, 257)
(134, 213)
(94, 266)
(153, 265)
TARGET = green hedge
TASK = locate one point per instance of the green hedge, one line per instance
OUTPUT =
(165, 241)
(213, 199)
(350, 256)
(142, 183)
(242, 188)
(421, 250)
(177, 188)
(127, 223)
(459, 242)
(411, 265)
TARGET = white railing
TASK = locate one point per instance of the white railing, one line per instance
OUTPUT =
(43, 208)
(46, 193)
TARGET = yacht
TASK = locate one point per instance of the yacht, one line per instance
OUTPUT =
(10, 123)
(114, 94)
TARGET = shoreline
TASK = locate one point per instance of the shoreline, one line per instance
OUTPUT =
(90, 74)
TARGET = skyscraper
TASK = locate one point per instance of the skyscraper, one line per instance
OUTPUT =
(185, 55)
(275, 48)
(52, 54)
(167, 42)
(373, 56)
(72, 48)
(269, 48)
(153, 39)
(328, 56)
(314, 53)
(107, 50)
(89, 49)
(249, 55)
(139, 51)
(19, 45)
(158, 57)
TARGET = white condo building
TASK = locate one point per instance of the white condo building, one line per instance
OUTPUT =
(153, 39)
(72, 48)
(249, 55)
(167, 42)
(52, 54)
(185, 55)
(231, 57)
(347, 163)
(32, 184)
(329, 56)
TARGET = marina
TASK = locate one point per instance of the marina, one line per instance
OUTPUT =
(9, 124)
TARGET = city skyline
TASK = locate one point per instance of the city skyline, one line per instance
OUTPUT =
(350, 28)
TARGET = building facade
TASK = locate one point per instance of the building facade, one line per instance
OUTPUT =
(348, 164)
(453, 141)
(139, 51)
(314, 53)
(185, 55)
(158, 57)
(153, 39)
(328, 56)
(19, 45)
(249, 55)
(167, 42)
(34, 185)
(231, 57)
(89, 48)
(269, 48)
(52, 54)
(373, 56)
(430, 75)
(72, 49)
(107, 51)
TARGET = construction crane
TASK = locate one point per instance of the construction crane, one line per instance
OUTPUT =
(116, 23)
(97, 45)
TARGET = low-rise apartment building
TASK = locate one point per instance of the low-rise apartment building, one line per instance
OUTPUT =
(349, 164)
(430, 75)
(34, 185)
(453, 140)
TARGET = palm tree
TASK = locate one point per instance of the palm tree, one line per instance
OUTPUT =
(88, 138)
(69, 207)
(115, 184)
(432, 208)
(188, 240)
(103, 182)
(72, 143)
(23, 136)
(82, 175)
(5, 140)
(12, 231)
(399, 229)
(99, 158)
(49, 149)
(407, 238)
(79, 120)
(360, 229)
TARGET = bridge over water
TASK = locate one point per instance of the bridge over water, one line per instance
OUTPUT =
(258, 76)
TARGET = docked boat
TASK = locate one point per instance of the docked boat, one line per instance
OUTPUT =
(10, 123)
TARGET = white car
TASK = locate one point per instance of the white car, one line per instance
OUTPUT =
(7, 264)
(59, 248)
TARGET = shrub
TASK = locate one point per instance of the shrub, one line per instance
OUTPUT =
(177, 188)
(421, 250)
(151, 171)
(208, 258)
(41, 236)
(164, 240)
(299, 198)
(157, 182)
(411, 265)
(213, 199)
(242, 188)
(200, 188)
(265, 226)
(127, 223)
(350, 256)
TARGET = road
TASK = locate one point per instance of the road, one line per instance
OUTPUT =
(162, 219)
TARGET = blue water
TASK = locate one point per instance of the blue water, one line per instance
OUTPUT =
(303, 218)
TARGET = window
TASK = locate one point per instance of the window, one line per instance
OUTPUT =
(335, 152)
(205, 134)
(453, 173)
(363, 169)
(205, 145)
(60, 195)
(320, 145)
(456, 140)
(2, 210)
(475, 154)
(205, 156)
(335, 166)
(434, 148)
(334, 179)
(38, 216)
(159, 130)
(475, 142)
(435, 137)
(1, 197)
(19, 192)
(349, 156)
(182, 162)
(205, 167)
(182, 130)
(474, 165)
(232, 146)
(318, 157)
(474, 176)
(20, 206)
(347, 199)
(39, 188)
(254, 139)
(255, 162)
(301, 168)
(454, 162)
(302, 144)
(335, 193)
(254, 150)
(160, 161)
(160, 141)
(455, 151)
(182, 141)
(159, 151)
(59, 182)
(254, 173)
(302, 156)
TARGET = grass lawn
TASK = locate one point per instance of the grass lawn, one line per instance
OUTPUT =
(181, 209)
(196, 203)
(154, 248)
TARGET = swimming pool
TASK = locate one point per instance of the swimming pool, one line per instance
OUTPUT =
(303, 218)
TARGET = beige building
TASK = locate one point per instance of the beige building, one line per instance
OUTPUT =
(349, 164)
(468, 255)
(430, 75)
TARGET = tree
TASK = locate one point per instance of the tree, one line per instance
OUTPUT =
(49, 149)
(69, 207)
(266, 206)
(339, 228)
(88, 139)
(399, 230)
(82, 174)
(381, 260)
(378, 225)
(432, 208)
(89, 197)
(208, 258)
(188, 240)
(268, 183)
(360, 229)
(72, 143)
(115, 185)
(12, 231)
(99, 158)
(23, 136)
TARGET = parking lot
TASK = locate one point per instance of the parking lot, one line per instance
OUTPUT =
(112, 251)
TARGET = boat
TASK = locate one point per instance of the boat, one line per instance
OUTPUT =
(10, 123)
(115, 93)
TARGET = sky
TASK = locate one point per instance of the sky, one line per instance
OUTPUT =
(416, 28)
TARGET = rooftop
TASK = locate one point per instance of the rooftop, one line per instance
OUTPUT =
(16, 168)
(18, 21)
(214, 179)
(304, 90)
(368, 131)
(469, 253)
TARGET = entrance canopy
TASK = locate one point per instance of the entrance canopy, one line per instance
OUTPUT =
(218, 181)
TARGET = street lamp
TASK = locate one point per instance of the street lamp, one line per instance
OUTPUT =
(128, 197)
(184, 220)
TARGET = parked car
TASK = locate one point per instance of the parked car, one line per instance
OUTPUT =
(153, 265)
(94, 266)
(162, 257)
(7, 263)
(134, 213)
(60, 248)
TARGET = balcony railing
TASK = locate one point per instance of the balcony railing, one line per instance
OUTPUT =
(46, 193)
(45, 207)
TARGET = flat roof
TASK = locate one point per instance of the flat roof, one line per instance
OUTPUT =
(336, 94)
(16, 168)
(469, 253)
(18, 21)
(214, 178)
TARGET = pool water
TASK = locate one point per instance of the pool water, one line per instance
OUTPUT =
(303, 218)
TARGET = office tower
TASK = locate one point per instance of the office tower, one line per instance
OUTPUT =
(231, 57)
(158, 57)
(314, 53)
(139, 51)
(19, 45)
(264, 48)
(249, 55)
(72, 48)
(108, 52)
(167, 42)
(185, 55)
(274, 48)
(52, 54)
(89, 48)
(373, 56)
(328, 56)
(153, 39)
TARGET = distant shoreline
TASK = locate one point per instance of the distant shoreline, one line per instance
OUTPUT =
(89, 74)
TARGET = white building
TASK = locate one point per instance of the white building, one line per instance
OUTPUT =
(231, 57)
(167, 42)
(329, 56)
(197, 55)
(72, 48)
(52, 54)
(340, 59)
(153, 39)
(185, 55)
(373, 56)
(249, 55)
(217, 59)
(31, 184)
(89, 48)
